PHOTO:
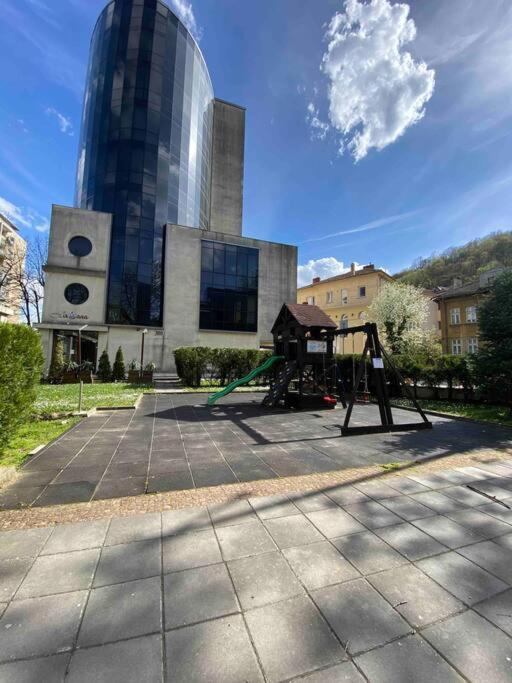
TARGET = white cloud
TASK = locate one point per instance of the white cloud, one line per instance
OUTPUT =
(322, 268)
(23, 217)
(185, 13)
(319, 128)
(376, 89)
(372, 225)
(65, 124)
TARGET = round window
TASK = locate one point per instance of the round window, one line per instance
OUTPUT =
(80, 246)
(76, 293)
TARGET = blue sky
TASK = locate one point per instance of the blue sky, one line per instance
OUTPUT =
(423, 112)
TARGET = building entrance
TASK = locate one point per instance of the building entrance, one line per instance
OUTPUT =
(79, 347)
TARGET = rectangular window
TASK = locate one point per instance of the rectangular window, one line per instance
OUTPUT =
(455, 316)
(344, 297)
(456, 347)
(472, 345)
(362, 292)
(329, 297)
(229, 287)
(311, 300)
(471, 314)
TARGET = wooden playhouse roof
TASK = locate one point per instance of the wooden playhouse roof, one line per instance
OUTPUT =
(306, 315)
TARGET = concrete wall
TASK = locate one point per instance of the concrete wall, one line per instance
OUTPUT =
(227, 168)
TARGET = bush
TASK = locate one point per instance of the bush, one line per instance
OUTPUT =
(119, 370)
(57, 363)
(197, 363)
(104, 369)
(21, 363)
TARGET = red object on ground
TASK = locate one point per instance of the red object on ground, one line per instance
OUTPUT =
(330, 400)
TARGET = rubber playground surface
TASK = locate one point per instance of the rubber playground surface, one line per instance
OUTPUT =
(176, 442)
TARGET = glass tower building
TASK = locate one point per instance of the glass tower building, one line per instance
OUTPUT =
(145, 151)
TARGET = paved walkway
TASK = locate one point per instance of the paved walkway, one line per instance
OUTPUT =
(176, 442)
(396, 582)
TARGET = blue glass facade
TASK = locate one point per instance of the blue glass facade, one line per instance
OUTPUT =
(146, 146)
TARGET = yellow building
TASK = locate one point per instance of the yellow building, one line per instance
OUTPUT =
(346, 298)
(12, 257)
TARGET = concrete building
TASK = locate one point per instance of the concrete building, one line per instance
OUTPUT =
(12, 258)
(154, 245)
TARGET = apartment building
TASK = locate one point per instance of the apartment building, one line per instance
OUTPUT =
(12, 254)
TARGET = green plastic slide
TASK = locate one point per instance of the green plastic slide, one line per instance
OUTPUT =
(245, 380)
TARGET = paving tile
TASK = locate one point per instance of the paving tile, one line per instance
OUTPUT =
(335, 522)
(491, 488)
(342, 673)
(131, 661)
(405, 485)
(121, 470)
(12, 573)
(80, 536)
(177, 481)
(3, 607)
(376, 489)
(213, 476)
(59, 574)
(216, 651)
(415, 596)
(481, 523)
(492, 557)
(269, 507)
(461, 577)
(406, 660)
(410, 541)
(292, 531)
(135, 528)
(184, 521)
(505, 541)
(431, 481)
(368, 552)
(360, 617)
(319, 564)
(78, 473)
(64, 494)
(197, 595)
(40, 626)
(26, 543)
(12, 498)
(373, 514)
(244, 540)
(127, 562)
(407, 508)
(228, 514)
(498, 609)
(187, 551)
(263, 579)
(480, 651)
(439, 502)
(291, 638)
(122, 611)
(32, 670)
(120, 488)
(447, 532)
(312, 501)
(346, 495)
(498, 511)
(466, 496)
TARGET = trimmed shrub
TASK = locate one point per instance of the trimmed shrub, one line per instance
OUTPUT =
(194, 364)
(119, 370)
(56, 369)
(104, 368)
(21, 363)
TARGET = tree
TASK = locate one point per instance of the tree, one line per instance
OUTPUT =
(22, 277)
(57, 362)
(494, 360)
(400, 311)
(104, 368)
(119, 370)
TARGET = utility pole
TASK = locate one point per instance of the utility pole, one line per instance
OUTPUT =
(144, 332)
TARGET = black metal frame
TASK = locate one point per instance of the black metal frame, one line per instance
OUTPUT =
(378, 355)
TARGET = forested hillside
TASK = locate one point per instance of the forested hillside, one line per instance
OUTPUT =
(464, 262)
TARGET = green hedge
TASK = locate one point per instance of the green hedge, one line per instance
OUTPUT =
(21, 363)
(197, 363)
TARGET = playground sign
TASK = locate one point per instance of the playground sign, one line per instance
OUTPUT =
(317, 347)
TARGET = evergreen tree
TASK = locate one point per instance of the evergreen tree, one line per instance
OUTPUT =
(104, 369)
(119, 371)
(57, 362)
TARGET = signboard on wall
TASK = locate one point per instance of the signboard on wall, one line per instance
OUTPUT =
(316, 346)
(69, 315)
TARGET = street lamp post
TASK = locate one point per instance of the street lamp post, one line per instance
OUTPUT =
(80, 343)
(144, 332)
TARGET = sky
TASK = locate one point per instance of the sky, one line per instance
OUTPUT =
(377, 131)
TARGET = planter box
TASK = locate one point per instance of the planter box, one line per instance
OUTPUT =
(72, 377)
(147, 377)
(134, 377)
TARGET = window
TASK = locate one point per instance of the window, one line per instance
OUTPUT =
(363, 316)
(229, 287)
(344, 322)
(311, 300)
(344, 296)
(472, 345)
(456, 347)
(455, 316)
(471, 314)
(80, 246)
(329, 297)
(76, 294)
(362, 292)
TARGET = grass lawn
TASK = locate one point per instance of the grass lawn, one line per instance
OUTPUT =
(487, 413)
(63, 398)
(32, 435)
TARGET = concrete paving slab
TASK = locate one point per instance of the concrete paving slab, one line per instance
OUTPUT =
(292, 639)
(218, 651)
(229, 514)
(80, 536)
(319, 564)
(466, 496)
(125, 610)
(40, 626)
(65, 494)
(415, 596)
(269, 507)
(406, 660)
(408, 509)
(335, 522)
(498, 609)
(184, 521)
(505, 541)
(498, 511)
(292, 531)
(138, 528)
(378, 490)
(12, 573)
(244, 540)
(368, 552)
(439, 502)
(188, 551)
(346, 495)
(130, 661)
(311, 502)
(447, 532)
(479, 650)
(27, 543)
(262, 580)
(32, 670)
(481, 523)
(461, 577)
(128, 562)
(360, 617)
(410, 541)
(373, 515)
(196, 595)
(492, 557)
(342, 673)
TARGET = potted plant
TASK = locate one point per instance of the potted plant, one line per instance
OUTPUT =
(70, 373)
(133, 372)
(84, 372)
(147, 373)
